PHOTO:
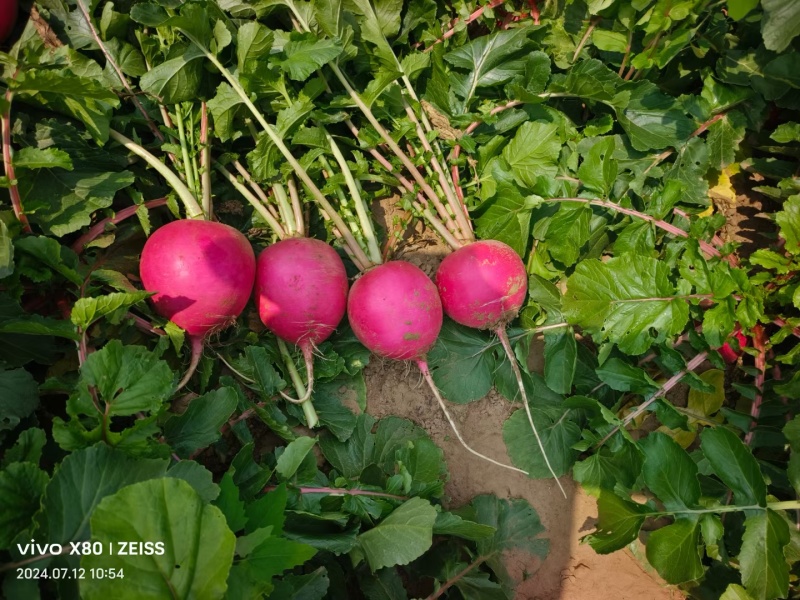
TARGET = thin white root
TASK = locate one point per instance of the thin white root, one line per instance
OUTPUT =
(197, 352)
(501, 333)
(423, 367)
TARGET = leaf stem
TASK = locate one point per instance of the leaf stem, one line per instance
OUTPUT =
(124, 80)
(253, 200)
(99, 227)
(8, 164)
(193, 210)
(303, 392)
(276, 139)
(362, 211)
(297, 206)
(284, 208)
(340, 492)
(662, 391)
(205, 162)
(187, 163)
(476, 14)
(457, 577)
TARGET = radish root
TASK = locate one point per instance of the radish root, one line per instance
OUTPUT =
(501, 333)
(423, 367)
(197, 352)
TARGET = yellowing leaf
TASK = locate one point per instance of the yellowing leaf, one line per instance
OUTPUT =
(682, 437)
(708, 403)
(723, 190)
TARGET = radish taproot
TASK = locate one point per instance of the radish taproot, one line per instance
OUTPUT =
(301, 296)
(203, 274)
(395, 311)
(483, 285)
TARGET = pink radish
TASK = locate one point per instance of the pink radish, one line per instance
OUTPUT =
(395, 311)
(483, 285)
(301, 295)
(728, 353)
(202, 273)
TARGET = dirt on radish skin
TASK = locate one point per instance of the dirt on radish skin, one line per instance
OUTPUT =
(395, 311)
(203, 274)
(301, 290)
(482, 285)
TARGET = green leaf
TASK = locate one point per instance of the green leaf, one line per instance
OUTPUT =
(86, 311)
(589, 79)
(708, 403)
(724, 137)
(610, 41)
(652, 119)
(689, 170)
(781, 23)
(224, 107)
(274, 556)
(448, 523)
(199, 426)
(672, 550)
(786, 133)
(533, 152)
(737, 10)
(128, 379)
(51, 254)
(618, 523)
(669, 472)
(560, 360)
(82, 480)
(253, 44)
(735, 591)
(305, 54)
(198, 546)
(230, 502)
(177, 79)
(788, 220)
(22, 485)
(42, 158)
(765, 572)
(568, 232)
(507, 216)
(598, 171)
(196, 475)
(462, 363)
(517, 528)
(622, 376)
(353, 455)
(401, 537)
(557, 432)
(735, 465)
(488, 60)
(19, 397)
(625, 300)
(385, 584)
(63, 201)
(28, 447)
(61, 91)
(293, 456)
(313, 586)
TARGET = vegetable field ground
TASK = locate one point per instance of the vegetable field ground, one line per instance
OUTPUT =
(400, 299)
